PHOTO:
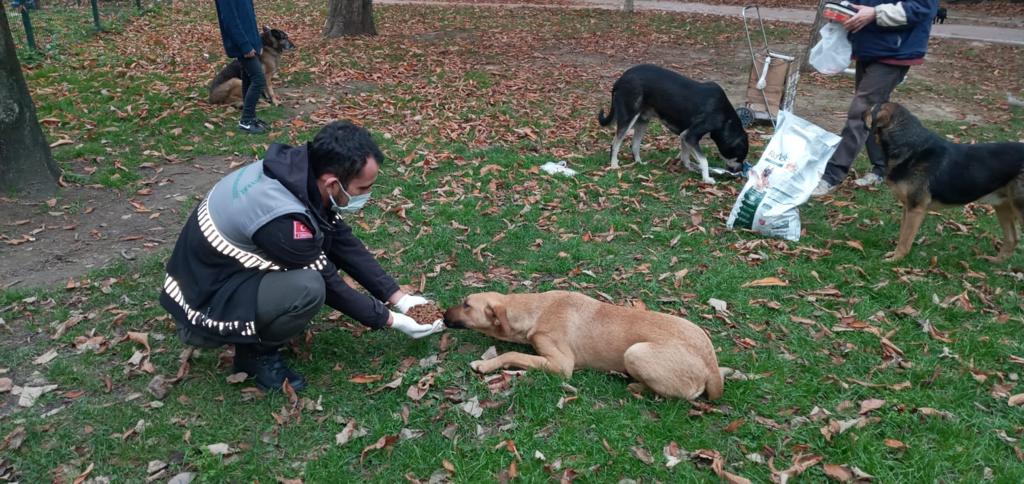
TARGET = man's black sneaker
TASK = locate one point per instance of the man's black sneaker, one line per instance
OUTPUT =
(268, 370)
(252, 127)
(262, 123)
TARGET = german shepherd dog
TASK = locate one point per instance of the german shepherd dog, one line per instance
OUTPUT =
(689, 109)
(925, 171)
(226, 88)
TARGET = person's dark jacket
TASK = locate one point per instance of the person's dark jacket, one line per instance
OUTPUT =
(204, 285)
(238, 28)
(900, 30)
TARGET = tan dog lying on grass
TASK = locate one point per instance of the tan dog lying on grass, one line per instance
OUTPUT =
(666, 354)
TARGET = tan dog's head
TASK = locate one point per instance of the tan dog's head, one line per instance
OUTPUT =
(484, 312)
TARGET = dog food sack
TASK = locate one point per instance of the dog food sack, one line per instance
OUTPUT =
(783, 179)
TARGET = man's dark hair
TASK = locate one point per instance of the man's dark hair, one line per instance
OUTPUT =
(341, 148)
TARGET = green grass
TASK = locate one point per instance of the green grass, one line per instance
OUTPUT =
(58, 28)
(472, 228)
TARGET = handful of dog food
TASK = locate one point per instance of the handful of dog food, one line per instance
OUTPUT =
(425, 313)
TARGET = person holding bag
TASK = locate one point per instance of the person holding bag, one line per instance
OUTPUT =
(886, 39)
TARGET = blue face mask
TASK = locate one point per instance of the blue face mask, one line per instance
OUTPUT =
(355, 202)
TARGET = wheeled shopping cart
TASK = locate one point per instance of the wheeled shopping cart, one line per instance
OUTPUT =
(773, 78)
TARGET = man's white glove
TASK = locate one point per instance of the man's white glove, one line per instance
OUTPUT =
(408, 301)
(416, 330)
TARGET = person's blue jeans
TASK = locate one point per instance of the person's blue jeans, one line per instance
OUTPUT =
(253, 84)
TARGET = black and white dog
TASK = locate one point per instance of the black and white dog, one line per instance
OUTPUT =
(689, 109)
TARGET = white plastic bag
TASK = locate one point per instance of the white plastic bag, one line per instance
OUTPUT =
(783, 179)
(831, 54)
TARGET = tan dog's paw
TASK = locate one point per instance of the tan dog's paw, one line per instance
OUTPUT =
(637, 388)
(893, 257)
(481, 366)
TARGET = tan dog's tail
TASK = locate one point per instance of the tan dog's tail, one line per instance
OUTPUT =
(714, 387)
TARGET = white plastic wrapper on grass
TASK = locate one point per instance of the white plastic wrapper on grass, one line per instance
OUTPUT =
(559, 168)
(783, 179)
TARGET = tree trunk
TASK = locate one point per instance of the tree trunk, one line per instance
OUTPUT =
(26, 165)
(628, 6)
(349, 17)
(819, 20)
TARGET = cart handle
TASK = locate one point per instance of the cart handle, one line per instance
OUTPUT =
(746, 29)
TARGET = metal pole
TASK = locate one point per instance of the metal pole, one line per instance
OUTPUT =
(27, 22)
(96, 15)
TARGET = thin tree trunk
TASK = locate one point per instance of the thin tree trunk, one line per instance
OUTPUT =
(349, 17)
(628, 6)
(819, 20)
(26, 165)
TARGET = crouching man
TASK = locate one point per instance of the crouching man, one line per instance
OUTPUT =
(259, 257)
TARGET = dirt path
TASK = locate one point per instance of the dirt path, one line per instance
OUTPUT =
(981, 33)
(91, 227)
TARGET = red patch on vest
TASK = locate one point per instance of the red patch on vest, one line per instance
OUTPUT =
(300, 231)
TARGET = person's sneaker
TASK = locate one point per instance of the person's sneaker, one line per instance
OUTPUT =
(263, 124)
(252, 127)
(871, 179)
(267, 370)
(823, 188)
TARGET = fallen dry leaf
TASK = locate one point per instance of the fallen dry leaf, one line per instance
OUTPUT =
(719, 305)
(767, 282)
(6, 384)
(1015, 400)
(362, 379)
(931, 412)
(159, 387)
(895, 444)
(838, 472)
(46, 357)
(349, 433)
(472, 407)
(237, 377)
(642, 454)
(13, 439)
(800, 464)
(381, 443)
(735, 424)
(871, 405)
(490, 353)
(84, 475)
(674, 455)
(29, 395)
(220, 449)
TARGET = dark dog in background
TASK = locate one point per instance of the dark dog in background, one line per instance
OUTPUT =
(689, 109)
(226, 88)
(925, 172)
(941, 16)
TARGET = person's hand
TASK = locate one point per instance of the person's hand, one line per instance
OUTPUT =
(864, 16)
(410, 327)
(408, 301)
(250, 54)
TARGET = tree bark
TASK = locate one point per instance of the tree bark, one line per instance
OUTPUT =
(26, 165)
(819, 20)
(349, 17)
